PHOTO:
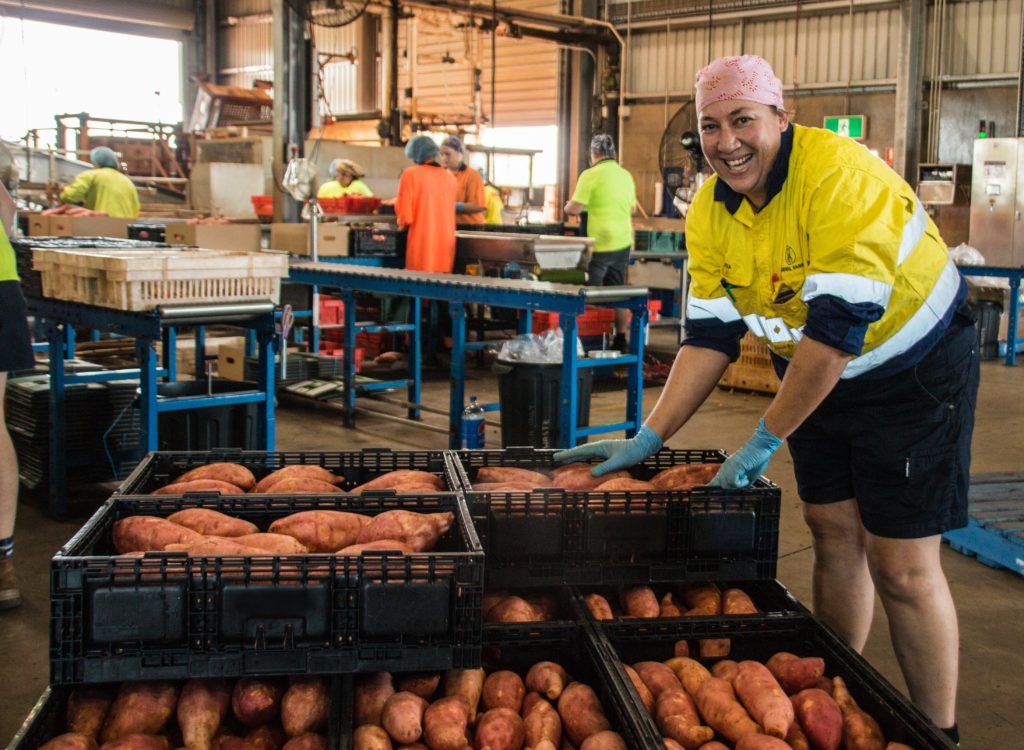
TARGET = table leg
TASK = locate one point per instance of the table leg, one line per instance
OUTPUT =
(635, 376)
(169, 346)
(265, 408)
(1011, 330)
(58, 425)
(148, 394)
(200, 352)
(567, 411)
(458, 374)
(414, 358)
(348, 299)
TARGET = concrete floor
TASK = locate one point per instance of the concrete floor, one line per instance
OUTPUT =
(990, 603)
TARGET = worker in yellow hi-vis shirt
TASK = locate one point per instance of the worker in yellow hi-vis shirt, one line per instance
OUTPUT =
(104, 188)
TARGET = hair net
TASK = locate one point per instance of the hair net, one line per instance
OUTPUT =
(333, 169)
(603, 144)
(421, 149)
(453, 143)
(746, 77)
(348, 166)
(101, 156)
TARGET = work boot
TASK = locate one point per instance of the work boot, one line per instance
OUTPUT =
(10, 597)
(619, 343)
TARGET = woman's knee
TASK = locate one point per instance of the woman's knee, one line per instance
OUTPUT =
(905, 570)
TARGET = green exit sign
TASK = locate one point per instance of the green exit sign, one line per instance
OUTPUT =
(853, 126)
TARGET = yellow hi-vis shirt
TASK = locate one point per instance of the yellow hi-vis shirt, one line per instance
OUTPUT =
(8, 261)
(609, 194)
(842, 225)
(104, 189)
(335, 189)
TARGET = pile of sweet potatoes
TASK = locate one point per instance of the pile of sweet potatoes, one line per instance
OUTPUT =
(296, 479)
(203, 531)
(786, 703)
(544, 709)
(577, 478)
(216, 714)
(534, 606)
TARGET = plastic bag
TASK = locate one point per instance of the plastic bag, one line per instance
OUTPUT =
(299, 176)
(965, 255)
(531, 348)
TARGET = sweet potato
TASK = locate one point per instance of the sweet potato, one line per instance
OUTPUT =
(545, 605)
(149, 534)
(445, 722)
(199, 485)
(321, 530)
(419, 531)
(423, 684)
(764, 699)
(70, 741)
(713, 745)
(606, 740)
(236, 474)
(713, 648)
(542, 723)
(297, 470)
(503, 689)
(421, 746)
(639, 601)
(685, 476)
(140, 708)
(202, 706)
(624, 484)
(372, 690)
(512, 609)
(599, 607)
(490, 598)
(720, 710)
(230, 742)
(671, 744)
(737, 602)
(667, 607)
(761, 742)
(469, 683)
(703, 600)
(308, 741)
(690, 672)
(795, 673)
(581, 712)
(644, 692)
(277, 544)
(267, 737)
(402, 717)
(681, 648)
(137, 742)
(547, 678)
(505, 474)
(677, 718)
(305, 705)
(381, 545)
(213, 546)
(304, 486)
(657, 677)
(796, 738)
(502, 486)
(898, 746)
(370, 737)
(819, 717)
(392, 479)
(531, 699)
(499, 729)
(256, 701)
(726, 669)
(860, 730)
(577, 478)
(210, 522)
(87, 708)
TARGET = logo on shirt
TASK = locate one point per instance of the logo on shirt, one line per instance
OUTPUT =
(792, 262)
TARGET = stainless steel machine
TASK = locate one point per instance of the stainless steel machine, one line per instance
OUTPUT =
(945, 192)
(533, 253)
(997, 200)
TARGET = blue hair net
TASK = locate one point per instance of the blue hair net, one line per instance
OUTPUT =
(421, 149)
(333, 169)
(453, 143)
(102, 156)
(603, 144)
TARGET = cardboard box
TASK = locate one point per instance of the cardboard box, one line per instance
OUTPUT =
(185, 352)
(89, 226)
(38, 225)
(332, 239)
(661, 223)
(215, 236)
(225, 188)
(231, 361)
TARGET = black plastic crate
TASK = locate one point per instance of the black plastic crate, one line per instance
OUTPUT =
(759, 639)
(168, 616)
(378, 242)
(157, 469)
(48, 718)
(576, 649)
(549, 536)
(567, 618)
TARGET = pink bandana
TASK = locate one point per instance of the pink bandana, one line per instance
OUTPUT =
(747, 77)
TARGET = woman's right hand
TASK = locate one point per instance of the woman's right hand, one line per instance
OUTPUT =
(620, 454)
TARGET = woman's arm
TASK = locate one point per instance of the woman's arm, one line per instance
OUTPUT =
(813, 372)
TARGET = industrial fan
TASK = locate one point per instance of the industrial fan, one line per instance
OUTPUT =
(331, 13)
(682, 165)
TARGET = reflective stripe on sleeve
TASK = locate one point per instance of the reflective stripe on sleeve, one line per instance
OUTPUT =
(913, 230)
(847, 287)
(722, 308)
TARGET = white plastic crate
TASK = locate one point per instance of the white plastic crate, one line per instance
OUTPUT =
(140, 280)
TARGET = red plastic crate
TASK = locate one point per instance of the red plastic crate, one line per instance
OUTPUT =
(349, 204)
(595, 321)
(263, 205)
(332, 311)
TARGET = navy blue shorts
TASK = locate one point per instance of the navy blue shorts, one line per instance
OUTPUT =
(16, 350)
(608, 268)
(900, 445)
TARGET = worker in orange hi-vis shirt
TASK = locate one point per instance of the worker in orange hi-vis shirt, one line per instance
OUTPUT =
(471, 206)
(425, 205)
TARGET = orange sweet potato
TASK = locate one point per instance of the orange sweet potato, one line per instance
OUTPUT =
(140, 708)
(392, 479)
(545, 605)
(199, 485)
(581, 712)
(211, 522)
(267, 737)
(677, 718)
(819, 717)
(713, 745)
(370, 737)
(898, 746)
(720, 710)
(685, 476)
(725, 669)
(690, 672)
(304, 486)
(308, 741)
(796, 738)
(763, 697)
(499, 729)
(639, 601)
(381, 545)
(503, 689)
(230, 742)
(681, 648)
(667, 607)
(761, 742)
(423, 684)
(469, 683)
(149, 534)
(644, 692)
(202, 706)
(213, 546)
(711, 648)
(577, 478)
(444, 723)
(542, 723)
(737, 602)
(277, 544)
(512, 609)
(236, 474)
(860, 730)
(657, 677)
(297, 470)
(505, 474)
(137, 741)
(599, 607)
(87, 708)
(305, 706)
(506, 486)
(321, 530)
(372, 691)
(256, 701)
(703, 600)
(671, 744)
(624, 484)
(532, 699)
(402, 717)
(606, 740)
(70, 741)
(419, 531)
(795, 673)
(546, 678)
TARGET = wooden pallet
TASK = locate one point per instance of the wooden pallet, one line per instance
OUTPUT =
(995, 529)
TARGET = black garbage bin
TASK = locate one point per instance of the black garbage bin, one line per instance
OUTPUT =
(987, 314)
(229, 426)
(529, 395)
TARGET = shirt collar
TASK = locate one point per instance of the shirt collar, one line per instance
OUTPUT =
(776, 176)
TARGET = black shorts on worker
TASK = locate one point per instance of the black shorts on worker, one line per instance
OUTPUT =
(900, 445)
(608, 268)
(15, 337)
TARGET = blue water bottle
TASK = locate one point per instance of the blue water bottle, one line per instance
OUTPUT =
(473, 425)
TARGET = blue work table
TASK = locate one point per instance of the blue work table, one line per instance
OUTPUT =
(1014, 276)
(459, 290)
(59, 318)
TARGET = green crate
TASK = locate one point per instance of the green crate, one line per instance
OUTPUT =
(657, 241)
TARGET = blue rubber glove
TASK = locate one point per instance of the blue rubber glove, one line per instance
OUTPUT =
(743, 467)
(620, 453)
(459, 207)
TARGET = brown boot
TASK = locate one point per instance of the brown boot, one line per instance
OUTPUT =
(10, 597)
